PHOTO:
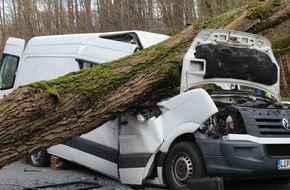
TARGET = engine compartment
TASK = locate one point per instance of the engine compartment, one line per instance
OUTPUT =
(245, 113)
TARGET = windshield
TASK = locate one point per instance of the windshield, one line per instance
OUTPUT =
(8, 68)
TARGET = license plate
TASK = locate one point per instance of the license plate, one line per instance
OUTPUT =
(283, 164)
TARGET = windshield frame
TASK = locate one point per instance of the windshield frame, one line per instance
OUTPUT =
(9, 63)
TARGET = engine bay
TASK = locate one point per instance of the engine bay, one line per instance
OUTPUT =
(240, 113)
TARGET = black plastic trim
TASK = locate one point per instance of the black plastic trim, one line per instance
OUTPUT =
(133, 160)
(93, 148)
(161, 159)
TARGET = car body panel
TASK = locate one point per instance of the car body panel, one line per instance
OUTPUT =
(237, 58)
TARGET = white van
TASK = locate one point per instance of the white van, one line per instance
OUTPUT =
(49, 57)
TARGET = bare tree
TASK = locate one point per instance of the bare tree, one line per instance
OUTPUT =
(28, 18)
(3, 21)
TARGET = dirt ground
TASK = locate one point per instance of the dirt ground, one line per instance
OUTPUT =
(19, 176)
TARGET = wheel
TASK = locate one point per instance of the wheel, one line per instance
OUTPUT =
(40, 159)
(183, 162)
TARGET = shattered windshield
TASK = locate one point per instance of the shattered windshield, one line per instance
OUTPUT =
(8, 68)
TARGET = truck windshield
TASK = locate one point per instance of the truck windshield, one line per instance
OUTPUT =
(8, 68)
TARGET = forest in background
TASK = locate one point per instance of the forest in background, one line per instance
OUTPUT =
(28, 18)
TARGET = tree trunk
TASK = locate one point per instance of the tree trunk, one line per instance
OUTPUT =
(46, 113)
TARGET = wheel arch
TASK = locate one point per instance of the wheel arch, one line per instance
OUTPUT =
(183, 137)
(180, 133)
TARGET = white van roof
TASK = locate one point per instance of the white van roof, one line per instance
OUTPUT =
(146, 38)
(82, 45)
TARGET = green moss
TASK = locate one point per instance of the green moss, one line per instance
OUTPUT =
(53, 92)
(223, 19)
(258, 12)
(281, 45)
(266, 24)
(109, 81)
(41, 84)
(45, 85)
(263, 13)
(277, 2)
(285, 99)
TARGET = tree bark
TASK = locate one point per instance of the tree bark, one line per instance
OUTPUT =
(42, 114)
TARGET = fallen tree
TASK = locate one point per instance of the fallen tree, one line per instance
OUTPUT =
(42, 114)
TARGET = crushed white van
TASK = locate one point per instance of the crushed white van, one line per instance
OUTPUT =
(233, 130)
(49, 57)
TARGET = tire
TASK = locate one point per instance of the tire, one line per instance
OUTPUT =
(40, 159)
(184, 162)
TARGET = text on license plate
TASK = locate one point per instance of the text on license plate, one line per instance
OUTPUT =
(283, 164)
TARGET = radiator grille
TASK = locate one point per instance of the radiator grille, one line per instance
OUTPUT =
(265, 122)
(278, 149)
(271, 127)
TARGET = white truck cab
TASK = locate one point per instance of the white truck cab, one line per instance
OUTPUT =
(249, 136)
(221, 124)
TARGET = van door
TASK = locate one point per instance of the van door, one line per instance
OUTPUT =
(98, 149)
(9, 64)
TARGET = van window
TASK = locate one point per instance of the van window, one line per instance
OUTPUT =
(84, 64)
(8, 68)
(131, 38)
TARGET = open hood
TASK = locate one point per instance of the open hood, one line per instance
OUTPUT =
(231, 57)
